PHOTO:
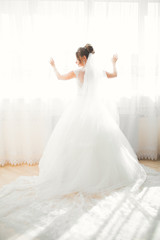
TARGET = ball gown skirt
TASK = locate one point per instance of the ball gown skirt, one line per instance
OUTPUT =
(87, 152)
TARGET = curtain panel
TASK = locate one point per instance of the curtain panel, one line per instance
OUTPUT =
(32, 99)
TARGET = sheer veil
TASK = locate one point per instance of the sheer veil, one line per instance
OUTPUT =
(96, 88)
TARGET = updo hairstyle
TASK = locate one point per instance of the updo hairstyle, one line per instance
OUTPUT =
(84, 51)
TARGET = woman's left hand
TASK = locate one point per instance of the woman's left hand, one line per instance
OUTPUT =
(52, 62)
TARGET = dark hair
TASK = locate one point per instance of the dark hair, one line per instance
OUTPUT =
(84, 51)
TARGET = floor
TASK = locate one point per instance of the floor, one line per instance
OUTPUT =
(119, 216)
(8, 173)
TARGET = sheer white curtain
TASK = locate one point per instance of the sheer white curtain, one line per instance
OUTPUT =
(32, 99)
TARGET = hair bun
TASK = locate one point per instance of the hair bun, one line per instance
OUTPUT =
(89, 48)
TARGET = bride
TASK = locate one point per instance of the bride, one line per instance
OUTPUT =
(87, 152)
(87, 159)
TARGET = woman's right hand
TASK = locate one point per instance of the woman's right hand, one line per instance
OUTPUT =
(52, 62)
(114, 58)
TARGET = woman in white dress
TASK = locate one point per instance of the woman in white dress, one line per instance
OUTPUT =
(87, 152)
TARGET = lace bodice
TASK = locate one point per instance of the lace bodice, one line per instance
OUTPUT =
(79, 79)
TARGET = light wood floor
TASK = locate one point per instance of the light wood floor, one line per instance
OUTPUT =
(9, 173)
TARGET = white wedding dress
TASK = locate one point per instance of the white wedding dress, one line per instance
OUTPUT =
(87, 161)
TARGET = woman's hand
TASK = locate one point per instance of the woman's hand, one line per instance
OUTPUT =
(52, 62)
(114, 58)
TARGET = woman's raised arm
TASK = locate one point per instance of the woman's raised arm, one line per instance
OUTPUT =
(66, 76)
(114, 74)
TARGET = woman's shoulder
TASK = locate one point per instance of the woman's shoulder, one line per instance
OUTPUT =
(78, 71)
